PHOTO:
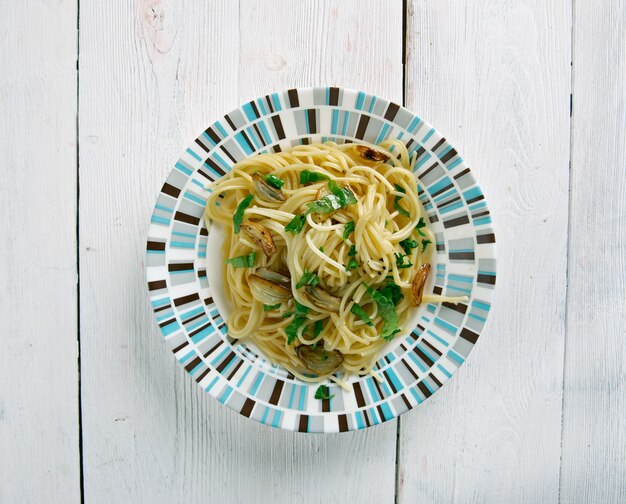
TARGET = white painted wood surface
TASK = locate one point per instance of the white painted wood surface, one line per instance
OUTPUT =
(593, 467)
(514, 425)
(39, 433)
(496, 81)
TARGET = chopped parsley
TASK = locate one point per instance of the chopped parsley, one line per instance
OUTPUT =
(352, 264)
(338, 198)
(323, 392)
(407, 245)
(267, 307)
(348, 229)
(244, 261)
(298, 321)
(318, 326)
(296, 224)
(274, 181)
(387, 309)
(352, 251)
(358, 310)
(425, 244)
(241, 207)
(400, 258)
(396, 202)
(308, 278)
(307, 176)
(420, 224)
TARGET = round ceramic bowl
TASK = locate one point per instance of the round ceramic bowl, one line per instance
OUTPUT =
(184, 264)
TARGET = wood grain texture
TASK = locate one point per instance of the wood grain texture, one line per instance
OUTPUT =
(152, 77)
(39, 455)
(594, 409)
(494, 77)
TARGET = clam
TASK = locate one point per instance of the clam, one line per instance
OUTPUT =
(370, 154)
(274, 276)
(261, 236)
(417, 286)
(319, 360)
(267, 292)
(265, 191)
(322, 299)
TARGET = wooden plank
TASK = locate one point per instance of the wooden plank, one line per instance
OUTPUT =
(496, 81)
(594, 408)
(292, 44)
(152, 74)
(38, 349)
(150, 434)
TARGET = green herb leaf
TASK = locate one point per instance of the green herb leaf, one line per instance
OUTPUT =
(399, 188)
(267, 307)
(241, 207)
(345, 195)
(352, 264)
(323, 392)
(387, 310)
(348, 229)
(244, 261)
(308, 278)
(307, 176)
(322, 250)
(425, 244)
(292, 329)
(317, 328)
(400, 258)
(420, 225)
(301, 310)
(296, 224)
(392, 291)
(352, 251)
(338, 198)
(396, 202)
(358, 310)
(274, 181)
(407, 245)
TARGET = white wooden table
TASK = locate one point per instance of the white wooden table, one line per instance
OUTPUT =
(96, 102)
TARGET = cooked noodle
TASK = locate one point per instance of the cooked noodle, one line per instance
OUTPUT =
(321, 249)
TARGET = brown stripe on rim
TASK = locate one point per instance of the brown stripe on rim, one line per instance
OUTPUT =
(212, 135)
(381, 414)
(378, 388)
(255, 109)
(459, 307)
(311, 118)
(468, 335)
(343, 423)
(161, 308)
(480, 214)
(437, 290)
(409, 369)
(278, 125)
(448, 156)
(230, 156)
(392, 110)
(406, 401)
(246, 410)
(259, 135)
(293, 98)
(194, 318)
(199, 329)
(186, 299)
(462, 174)
(212, 164)
(419, 152)
(367, 418)
(189, 219)
(486, 238)
(269, 103)
(333, 96)
(461, 256)
(424, 389)
(439, 144)
(234, 371)
(202, 274)
(170, 190)
(180, 347)
(202, 375)
(434, 378)
(202, 146)
(389, 382)
(430, 168)
(325, 405)
(179, 266)
(363, 122)
(486, 279)
(208, 301)
(423, 356)
(157, 284)
(167, 322)
(225, 362)
(303, 424)
(152, 245)
(230, 123)
(204, 232)
(211, 350)
(193, 364)
(459, 221)
(358, 395)
(278, 388)
(442, 190)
